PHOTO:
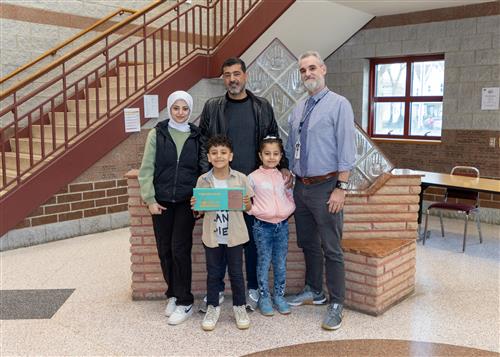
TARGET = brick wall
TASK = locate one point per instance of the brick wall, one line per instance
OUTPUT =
(388, 210)
(80, 200)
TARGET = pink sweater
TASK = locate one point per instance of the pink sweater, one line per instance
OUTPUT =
(272, 202)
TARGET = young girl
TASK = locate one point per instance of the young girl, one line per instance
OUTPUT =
(167, 176)
(272, 205)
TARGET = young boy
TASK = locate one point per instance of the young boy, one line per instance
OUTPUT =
(224, 233)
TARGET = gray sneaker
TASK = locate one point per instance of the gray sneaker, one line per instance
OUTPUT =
(307, 297)
(252, 299)
(203, 305)
(333, 318)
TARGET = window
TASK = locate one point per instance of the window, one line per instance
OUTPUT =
(406, 97)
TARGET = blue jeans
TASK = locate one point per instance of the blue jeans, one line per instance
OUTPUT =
(272, 246)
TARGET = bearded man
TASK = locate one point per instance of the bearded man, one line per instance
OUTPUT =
(246, 119)
(321, 150)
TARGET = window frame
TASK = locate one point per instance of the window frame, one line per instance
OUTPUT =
(408, 99)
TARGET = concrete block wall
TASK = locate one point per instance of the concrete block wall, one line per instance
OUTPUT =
(387, 211)
(472, 62)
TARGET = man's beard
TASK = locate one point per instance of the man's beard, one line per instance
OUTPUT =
(313, 84)
(237, 89)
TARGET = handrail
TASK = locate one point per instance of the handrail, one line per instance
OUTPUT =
(54, 50)
(78, 50)
(44, 120)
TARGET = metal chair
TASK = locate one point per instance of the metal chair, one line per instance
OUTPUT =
(453, 194)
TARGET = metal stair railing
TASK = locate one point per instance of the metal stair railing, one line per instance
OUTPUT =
(96, 81)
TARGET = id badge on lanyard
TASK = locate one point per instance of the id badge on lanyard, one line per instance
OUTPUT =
(305, 116)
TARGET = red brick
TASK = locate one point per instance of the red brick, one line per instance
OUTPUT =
(149, 249)
(152, 258)
(154, 277)
(146, 268)
(94, 194)
(105, 201)
(104, 184)
(136, 259)
(356, 277)
(356, 258)
(117, 208)
(137, 277)
(79, 187)
(121, 182)
(37, 212)
(135, 240)
(43, 220)
(149, 286)
(57, 208)
(123, 199)
(117, 191)
(71, 197)
(94, 212)
(82, 205)
(69, 216)
(365, 269)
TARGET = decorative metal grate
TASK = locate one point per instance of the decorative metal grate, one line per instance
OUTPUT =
(275, 76)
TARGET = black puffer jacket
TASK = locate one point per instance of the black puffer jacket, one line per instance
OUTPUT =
(214, 122)
(174, 179)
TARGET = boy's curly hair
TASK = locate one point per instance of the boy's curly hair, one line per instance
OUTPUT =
(219, 140)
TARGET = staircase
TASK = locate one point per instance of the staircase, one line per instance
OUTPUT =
(58, 129)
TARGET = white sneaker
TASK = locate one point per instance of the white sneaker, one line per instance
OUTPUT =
(211, 318)
(252, 299)
(203, 306)
(241, 317)
(180, 314)
(169, 309)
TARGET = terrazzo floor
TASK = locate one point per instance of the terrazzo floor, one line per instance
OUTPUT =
(456, 302)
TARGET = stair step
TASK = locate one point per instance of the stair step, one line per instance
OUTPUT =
(113, 93)
(11, 174)
(82, 105)
(24, 145)
(59, 131)
(113, 82)
(58, 118)
(24, 161)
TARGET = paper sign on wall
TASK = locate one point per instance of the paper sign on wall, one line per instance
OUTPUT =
(151, 109)
(132, 117)
(490, 98)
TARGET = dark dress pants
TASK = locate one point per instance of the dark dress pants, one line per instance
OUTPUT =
(319, 234)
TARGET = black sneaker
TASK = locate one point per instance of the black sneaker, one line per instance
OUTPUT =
(333, 317)
(307, 297)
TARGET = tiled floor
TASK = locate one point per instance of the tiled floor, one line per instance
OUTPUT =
(456, 302)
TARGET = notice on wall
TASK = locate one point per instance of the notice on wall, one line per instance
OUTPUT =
(151, 109)
(490, 98)
(132, 117)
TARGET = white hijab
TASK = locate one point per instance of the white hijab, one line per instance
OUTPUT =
(172, 98)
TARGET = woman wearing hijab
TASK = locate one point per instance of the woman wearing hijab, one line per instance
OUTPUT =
(167, 176)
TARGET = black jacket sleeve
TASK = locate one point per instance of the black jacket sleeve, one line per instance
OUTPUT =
(204, 129)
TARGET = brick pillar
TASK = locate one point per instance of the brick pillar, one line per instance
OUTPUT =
(387, 210)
